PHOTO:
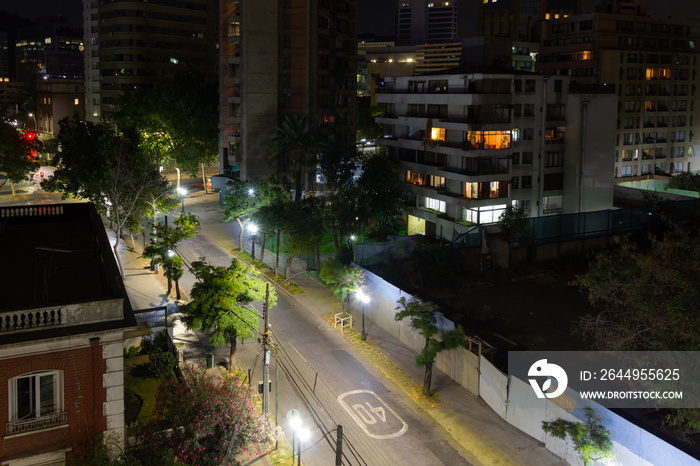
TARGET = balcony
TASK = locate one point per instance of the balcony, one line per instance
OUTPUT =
(20, 427)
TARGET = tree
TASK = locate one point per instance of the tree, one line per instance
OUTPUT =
(162, 249)
(294, 143)
(16, 160)
(650, 299)
(686, 180)
(218, 303)
(591, 439)
(242, 199)
(302, 222)
(515, 225)
(650, 294)
(367, 127)
(176, 120)
(107, 168)
(422, 315)
(343, 279)
(205, 422)
(382, 195)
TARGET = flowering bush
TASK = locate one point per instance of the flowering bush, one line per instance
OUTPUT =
(198, 418)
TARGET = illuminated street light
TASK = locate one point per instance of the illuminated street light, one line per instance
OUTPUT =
(253, 228)
(251, 192)
(182, 191)
(364, 299)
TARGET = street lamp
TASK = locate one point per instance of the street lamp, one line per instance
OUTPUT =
(266, 345)
(299, 431)
(253, 228)
(364, 299)
(303, 435)
(35, 126)
(182, 191)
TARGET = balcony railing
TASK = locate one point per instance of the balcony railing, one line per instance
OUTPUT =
(18, 427)
(30, 319)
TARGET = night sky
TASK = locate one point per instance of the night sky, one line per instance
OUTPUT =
(375, 15)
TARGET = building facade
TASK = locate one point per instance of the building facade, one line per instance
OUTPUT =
(50, 48)
(279, 59)
(516, 18)
(57, 99)
(63, 318)
(653, 65)
(130, 44)
(469, 142)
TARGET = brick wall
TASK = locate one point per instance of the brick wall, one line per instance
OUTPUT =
(83, 399)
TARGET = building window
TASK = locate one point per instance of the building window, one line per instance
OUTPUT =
(626, 171)
(528, 134)
(527, 158)
(35, 401)
(437, 134)
(76, 101)
(646, 169)
(529, 110)
(552, 204)
(529, 85)
(234, 110)
(435, 204)
(556, 111)
(526, 181)
(234, 70)
(518, 85)
(557, 85)
(234, 29)
(677, 167)
(554, 159)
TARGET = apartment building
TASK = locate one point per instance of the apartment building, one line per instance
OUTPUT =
(63, 317)
(278, 59)
(516, 18)
(57, 99)
(471, 141)
(130, 44)
(653, 65)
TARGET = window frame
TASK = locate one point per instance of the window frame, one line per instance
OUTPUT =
(35, 419)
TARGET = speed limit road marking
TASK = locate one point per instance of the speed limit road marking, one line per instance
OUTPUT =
(372, 414)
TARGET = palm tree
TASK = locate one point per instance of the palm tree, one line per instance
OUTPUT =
(296, 144)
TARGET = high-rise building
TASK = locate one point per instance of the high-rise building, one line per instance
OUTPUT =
(51, 48)
(472, 141)
(516, 18)
(130, 44)
(429, 22)
(283, 58)
(653, 65)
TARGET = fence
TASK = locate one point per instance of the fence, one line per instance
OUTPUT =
(155, 317)
(506, 395)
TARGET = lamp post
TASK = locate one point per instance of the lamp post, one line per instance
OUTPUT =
(294, 422)
(182, 191)
(266, 344)
(364, 299)
(253, 228)
(302, 435)
(36, 128)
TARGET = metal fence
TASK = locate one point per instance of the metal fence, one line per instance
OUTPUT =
(154, 317)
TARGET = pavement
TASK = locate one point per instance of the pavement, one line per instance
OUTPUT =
(467, 418)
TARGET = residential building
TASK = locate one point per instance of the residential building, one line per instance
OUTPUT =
(653, 65)
(279, 59)
(516, 18)
(10, 94)
(57, 99)
(50, 48)
(470, 141)
(131, 44)
(63, 316)
(429, 22)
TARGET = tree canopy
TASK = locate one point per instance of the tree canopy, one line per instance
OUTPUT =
(343, 279)
(177, 120)
(591, 439)
(16, 161)
(295, 143)
(219, 301)
(107, 168)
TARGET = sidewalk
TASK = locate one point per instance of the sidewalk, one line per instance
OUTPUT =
(468, 419)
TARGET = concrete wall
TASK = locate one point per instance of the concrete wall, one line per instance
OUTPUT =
(511, 398)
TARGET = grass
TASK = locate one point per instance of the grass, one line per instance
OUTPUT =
(138, 380)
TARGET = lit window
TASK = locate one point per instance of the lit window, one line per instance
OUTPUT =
(437, 134)
(76, 101)
(35, 401)
(435, 204)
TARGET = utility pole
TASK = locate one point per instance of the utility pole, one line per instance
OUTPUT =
(339, 445)
(266, 353)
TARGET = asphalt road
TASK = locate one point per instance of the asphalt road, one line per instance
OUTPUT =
(324, 378)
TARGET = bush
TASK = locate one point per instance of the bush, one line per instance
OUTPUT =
(161, 363)
(132, 351)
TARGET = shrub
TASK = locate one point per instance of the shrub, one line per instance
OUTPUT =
(161, 363)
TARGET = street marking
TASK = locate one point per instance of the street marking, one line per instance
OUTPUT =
(367, 409)
(302, 357)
